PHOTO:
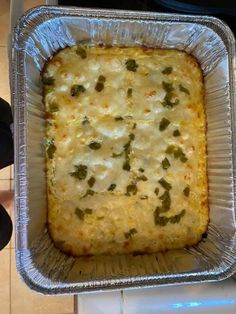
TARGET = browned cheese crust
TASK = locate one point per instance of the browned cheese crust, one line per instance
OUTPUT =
(126, 150)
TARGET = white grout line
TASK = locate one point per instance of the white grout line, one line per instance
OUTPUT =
(10, 281)
(122, 302)
(76, 310)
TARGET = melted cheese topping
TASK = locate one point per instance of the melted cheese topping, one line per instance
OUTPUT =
(124, 212)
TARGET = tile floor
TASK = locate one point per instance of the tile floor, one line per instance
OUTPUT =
(15, 297)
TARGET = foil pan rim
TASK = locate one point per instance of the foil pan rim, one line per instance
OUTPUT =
(124, 14)
(130, 282)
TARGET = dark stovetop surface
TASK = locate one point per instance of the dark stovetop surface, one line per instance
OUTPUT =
(227, 14)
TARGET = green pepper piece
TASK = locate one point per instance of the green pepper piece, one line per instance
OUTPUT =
(126, 165)
(142, 178)
(114, 155)
(167, 70)
(166, 201)
(91, 182)
(53, 107)
(89, 192)
(76, 90)
(48, 89)
(133, 231)
(178, 152)
(184, 89)
(101, 79)
(129, 92)
(177, 218)
(85, 120)
(79, 213)
(131, 136)
(100, 83)
(51, 149)
(157, 211)
(80, 172)
(127, 148)
(119, 118)
(88, 211)
(160, 220)
(48, 80)
(131, 65)
(130, 233)
(156, 191)
(164, 195)
(81, 52)
(131, 189)
(100, 218)
(143, 197)
(112, 187)
(168, 87)
(141, 170)
(166, 185)
(176, 133)
(186, 191)
(99, 86)
(163, 124)
(183, 158)
(134, 126)
(94, 145)
(165, 163)
(167, 101)
(170, 149)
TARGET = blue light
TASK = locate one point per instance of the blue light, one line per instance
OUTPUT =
(203, 304)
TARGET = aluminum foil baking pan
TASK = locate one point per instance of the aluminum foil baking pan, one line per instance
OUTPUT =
(39, 34)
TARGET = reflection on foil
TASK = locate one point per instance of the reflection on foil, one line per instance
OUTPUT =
(203, 304)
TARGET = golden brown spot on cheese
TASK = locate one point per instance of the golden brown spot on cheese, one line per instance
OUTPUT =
(151, 93)
(63, 189)
(126, 244)
(48, 115)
